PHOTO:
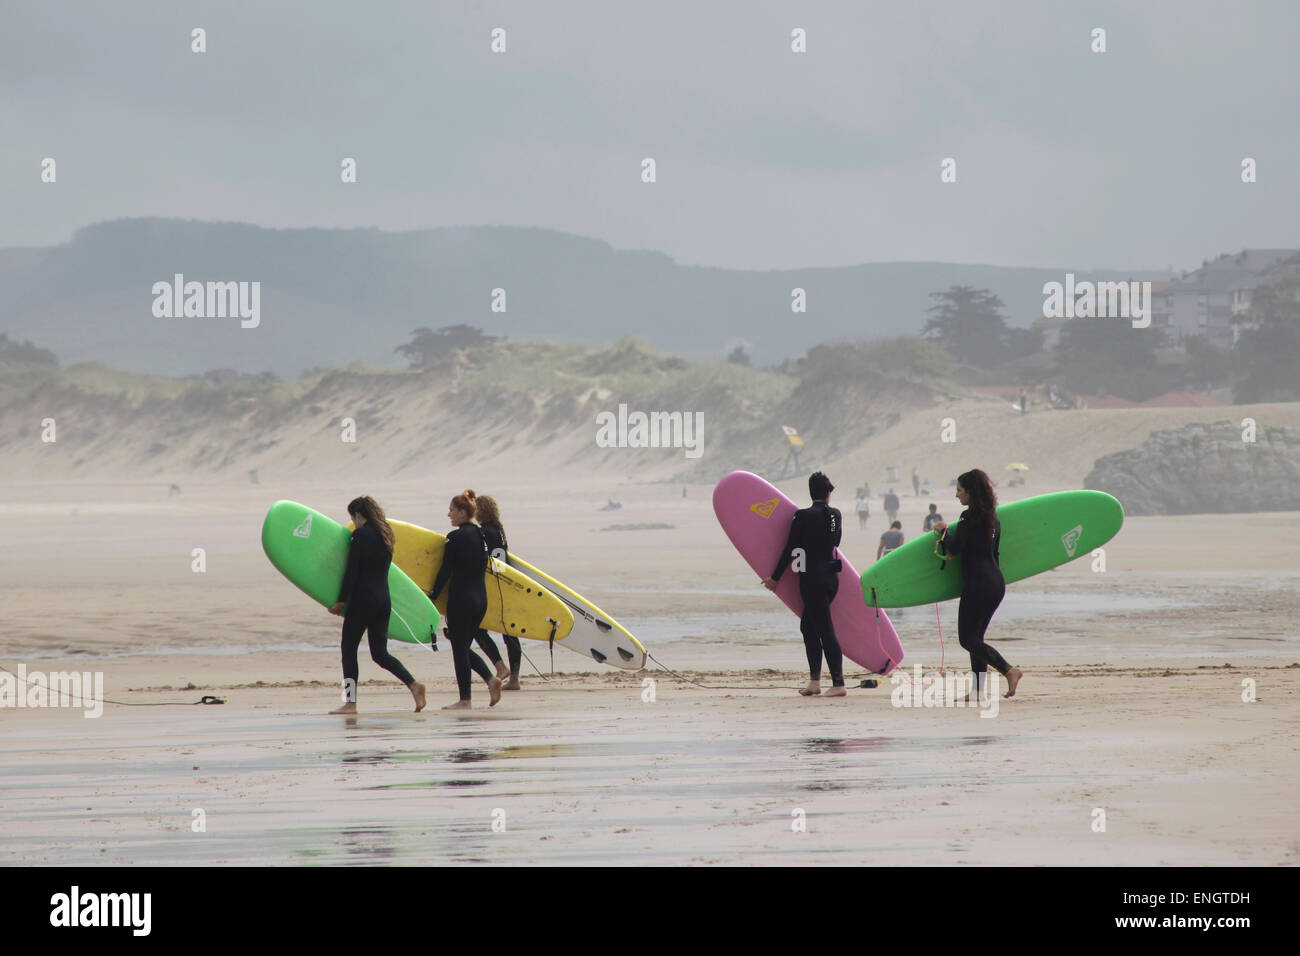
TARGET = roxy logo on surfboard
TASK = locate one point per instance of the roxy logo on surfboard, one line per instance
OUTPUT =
(303, 530)
(1071, 539)
(653, 430)
(764, 509)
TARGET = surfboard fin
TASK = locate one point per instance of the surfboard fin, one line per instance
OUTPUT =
(597, 654)
(626, 655)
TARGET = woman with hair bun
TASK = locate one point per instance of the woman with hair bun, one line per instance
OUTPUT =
(976, 539)
(464, 562)
(364, 595)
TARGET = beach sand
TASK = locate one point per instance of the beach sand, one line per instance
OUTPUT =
(1131, 711)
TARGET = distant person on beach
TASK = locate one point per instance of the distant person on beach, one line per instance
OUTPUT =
(891, 505)
(891, 539)
(815, 533)
(864, 510)
(916, 483)
(932, 517)
(464, 562)
(364, 602)
(976, 538)
(489, 519)
(1024, 400)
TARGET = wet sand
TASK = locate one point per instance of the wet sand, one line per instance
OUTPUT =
(1132, 704)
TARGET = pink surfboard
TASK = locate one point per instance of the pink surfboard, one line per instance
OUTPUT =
(756, 517)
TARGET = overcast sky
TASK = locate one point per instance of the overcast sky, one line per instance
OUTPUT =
(766, 158)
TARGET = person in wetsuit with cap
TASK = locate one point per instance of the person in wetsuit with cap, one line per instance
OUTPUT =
(815, 533)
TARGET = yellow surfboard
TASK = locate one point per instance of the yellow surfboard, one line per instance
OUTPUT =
(516, 604)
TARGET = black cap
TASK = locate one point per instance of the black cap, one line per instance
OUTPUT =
(819, 486)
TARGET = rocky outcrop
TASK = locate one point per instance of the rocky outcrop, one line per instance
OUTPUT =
(1204, 468)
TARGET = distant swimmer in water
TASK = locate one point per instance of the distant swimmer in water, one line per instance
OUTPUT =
(364, 595)
(464, 562)
(489, 519)
(976, 538)
(815, 533)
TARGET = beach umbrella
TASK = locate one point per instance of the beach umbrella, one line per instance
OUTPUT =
(1017, 466)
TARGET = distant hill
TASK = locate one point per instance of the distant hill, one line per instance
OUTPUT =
(329, 297)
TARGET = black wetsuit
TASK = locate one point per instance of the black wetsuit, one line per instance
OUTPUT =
(496, 542)
(464, 561)
(365, 592)
(817, 531)
(982, 588)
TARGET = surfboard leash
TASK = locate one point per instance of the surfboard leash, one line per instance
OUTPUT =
(939, 626)
(688, 680)
(205, 699)
(880, 644)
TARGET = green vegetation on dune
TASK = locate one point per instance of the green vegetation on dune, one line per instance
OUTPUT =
(132, 386)
(629, 366)
(532, 392)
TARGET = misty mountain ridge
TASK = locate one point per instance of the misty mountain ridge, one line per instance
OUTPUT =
(333, 295)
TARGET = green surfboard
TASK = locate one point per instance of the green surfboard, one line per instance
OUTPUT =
(1038, 534)
(311, 550)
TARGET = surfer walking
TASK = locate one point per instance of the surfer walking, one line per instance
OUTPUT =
(489, 520)
(365, 604)
(976, 538)
(814, 534)
(891, 540)
(464, 562)
(892, 505)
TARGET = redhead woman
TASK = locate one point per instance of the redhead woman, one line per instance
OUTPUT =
(464, 562)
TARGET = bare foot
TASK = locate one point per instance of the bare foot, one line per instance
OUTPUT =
(503, 670)
(836, 692)
(348, 708)
(417, 691)
(512, 683)
(494, 691)
(459, 705)
(1013, 678)
(813, 689)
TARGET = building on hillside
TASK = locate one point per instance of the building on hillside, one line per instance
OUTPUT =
(1051, 326)
(1284, 273)
(1205, 301)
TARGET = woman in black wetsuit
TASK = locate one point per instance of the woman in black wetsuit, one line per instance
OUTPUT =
(489, 519)
(364, 601)
(464, 562)
(976, 539)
